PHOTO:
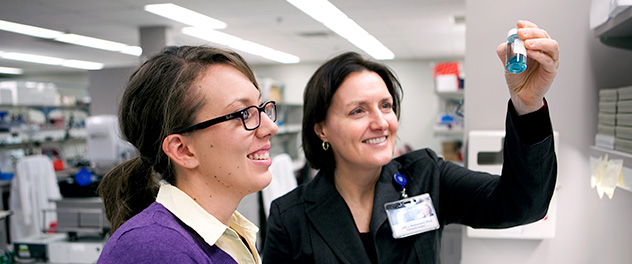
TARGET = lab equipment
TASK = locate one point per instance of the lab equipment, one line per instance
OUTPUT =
(56, 248)
(106, 148)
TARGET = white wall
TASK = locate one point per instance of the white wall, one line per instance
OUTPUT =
(106, 89)
(419, 107)
(292, 76)
(588, 230)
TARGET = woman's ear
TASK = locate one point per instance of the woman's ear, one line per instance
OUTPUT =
(177, 149)
(320, 132)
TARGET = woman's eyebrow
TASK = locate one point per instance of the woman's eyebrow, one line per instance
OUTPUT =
(239, 101)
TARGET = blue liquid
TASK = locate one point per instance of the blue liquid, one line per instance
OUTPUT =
(517, 64)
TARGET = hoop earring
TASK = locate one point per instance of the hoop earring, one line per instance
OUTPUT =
(326, 145)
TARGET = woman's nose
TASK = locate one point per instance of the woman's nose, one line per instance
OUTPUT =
(267, 128)
(378, 121)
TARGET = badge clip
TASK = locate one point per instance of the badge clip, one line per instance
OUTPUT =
(401, 180)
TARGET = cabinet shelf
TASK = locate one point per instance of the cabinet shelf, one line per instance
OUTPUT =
(448, 132)
(596, 152)
(450, 106)
(617, 31)
(44, 137)
(458, 95)
(64, 107)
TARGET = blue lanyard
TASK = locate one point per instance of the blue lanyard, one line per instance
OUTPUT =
(401, 180)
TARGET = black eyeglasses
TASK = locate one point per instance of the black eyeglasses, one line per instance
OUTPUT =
(250, 117)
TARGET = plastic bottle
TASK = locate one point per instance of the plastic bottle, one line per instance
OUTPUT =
(516, 52)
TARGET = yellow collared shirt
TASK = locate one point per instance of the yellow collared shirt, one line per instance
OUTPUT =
(214, 232)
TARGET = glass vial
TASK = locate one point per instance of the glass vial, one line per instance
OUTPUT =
(516, 52)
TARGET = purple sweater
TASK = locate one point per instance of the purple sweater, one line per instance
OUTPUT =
(157, 236)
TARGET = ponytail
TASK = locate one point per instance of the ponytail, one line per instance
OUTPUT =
(126, 190)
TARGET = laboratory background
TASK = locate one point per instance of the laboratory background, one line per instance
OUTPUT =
(64, 65)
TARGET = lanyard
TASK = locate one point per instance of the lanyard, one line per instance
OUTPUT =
(401, 181)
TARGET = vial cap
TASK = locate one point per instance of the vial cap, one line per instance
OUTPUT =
(512, 31)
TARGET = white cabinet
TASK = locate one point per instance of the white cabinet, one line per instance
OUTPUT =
(616, 32)
(450, 119)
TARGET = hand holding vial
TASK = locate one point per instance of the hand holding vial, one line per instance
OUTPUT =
(527, 88)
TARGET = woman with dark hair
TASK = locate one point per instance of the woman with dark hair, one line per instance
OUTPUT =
(349, 212)
(203, 137)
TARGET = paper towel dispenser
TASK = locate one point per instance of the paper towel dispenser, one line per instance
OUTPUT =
(485, 154)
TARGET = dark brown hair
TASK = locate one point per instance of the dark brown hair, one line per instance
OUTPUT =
(157, 101)
(318, 95)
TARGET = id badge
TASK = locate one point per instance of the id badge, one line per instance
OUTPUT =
(411, 216)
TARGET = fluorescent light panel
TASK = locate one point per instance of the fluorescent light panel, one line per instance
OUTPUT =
(185, 16)
(86, 65)
(325, 12)
(9, 70)
(91, 42)
(29, 30)
(240, 44)
(32, 58)
(132, 50)
(70, 38)
(203, 27)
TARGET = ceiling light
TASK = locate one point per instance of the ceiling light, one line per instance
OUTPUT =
(186, 16)
(32, 58)
(8, 70)
(70, 38)
(203, 28)
(91, 42)
(132, 50)
(326, 13)
(86, 65)
(240, 44)
(100, 44)
(29, 30)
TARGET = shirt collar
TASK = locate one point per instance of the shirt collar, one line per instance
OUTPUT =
(192, 214)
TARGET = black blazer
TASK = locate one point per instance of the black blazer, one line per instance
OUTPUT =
(312, 223)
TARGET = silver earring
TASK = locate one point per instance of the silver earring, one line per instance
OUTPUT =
(325, 145)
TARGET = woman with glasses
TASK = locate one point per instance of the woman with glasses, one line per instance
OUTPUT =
(363, 206)
(203, 137)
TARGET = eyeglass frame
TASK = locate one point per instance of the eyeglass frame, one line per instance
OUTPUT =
(237, 114)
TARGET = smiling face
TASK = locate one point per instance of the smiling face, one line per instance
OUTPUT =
(361, 125)
(229, 156)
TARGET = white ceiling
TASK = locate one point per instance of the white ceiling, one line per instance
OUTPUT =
(412, 29)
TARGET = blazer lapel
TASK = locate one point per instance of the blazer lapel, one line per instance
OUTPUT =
(385, 192)
(332, 220)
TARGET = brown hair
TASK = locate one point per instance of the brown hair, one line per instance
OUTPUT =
(157, 101)
(318, 95)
